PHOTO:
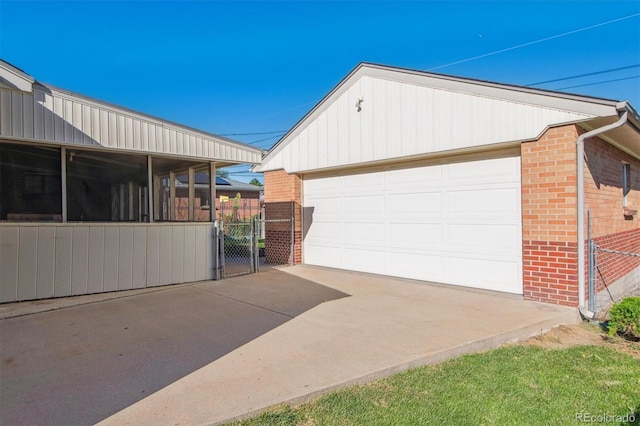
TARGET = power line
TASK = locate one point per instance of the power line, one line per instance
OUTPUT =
(584, 75)
(281, 132)
(598, 82)
(252, 134)
(265, 139)
(535, 42)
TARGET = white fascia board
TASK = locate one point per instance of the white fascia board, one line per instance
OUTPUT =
(557, 100)
(14, 79)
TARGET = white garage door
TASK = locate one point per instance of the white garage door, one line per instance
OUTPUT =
(456, 223)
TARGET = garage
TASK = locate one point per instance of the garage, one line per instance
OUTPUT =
(454, 222)
(442, 179)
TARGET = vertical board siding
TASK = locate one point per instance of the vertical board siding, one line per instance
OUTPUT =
(5, 117)
(96, 260)
(80, 261)
(9, 246)
(46, 262)
(153, 256)
(177, 255)
(139, 271)
(62, 253)
(27, 116)
(57, 117)
(38, 120)
(401, 119)
(27, 250)
(200, 267)
(166, 252)
(125, 258)
(111, 266)
(16, 115)
(42, 261)
(189, 254)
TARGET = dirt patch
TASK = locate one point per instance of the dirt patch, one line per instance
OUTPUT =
(567, 336)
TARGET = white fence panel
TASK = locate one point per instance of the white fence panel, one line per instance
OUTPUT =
(55, 260)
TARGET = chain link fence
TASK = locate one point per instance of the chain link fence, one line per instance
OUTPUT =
(613, 256)
(237, 247)
(254, 246)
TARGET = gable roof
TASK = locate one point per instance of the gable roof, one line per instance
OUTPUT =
(31, 111)
(378, 113)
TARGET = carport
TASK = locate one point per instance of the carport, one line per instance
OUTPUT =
(88, 197)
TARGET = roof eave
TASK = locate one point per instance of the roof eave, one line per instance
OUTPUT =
(147, 117)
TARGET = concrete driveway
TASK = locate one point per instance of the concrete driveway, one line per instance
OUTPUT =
(211, 352)
(81, 364)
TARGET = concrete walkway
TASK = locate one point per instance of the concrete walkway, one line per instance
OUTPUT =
(385, 326)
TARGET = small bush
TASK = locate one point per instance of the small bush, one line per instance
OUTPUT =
(624, 318)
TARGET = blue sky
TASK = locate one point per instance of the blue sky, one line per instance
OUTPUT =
(253, 67)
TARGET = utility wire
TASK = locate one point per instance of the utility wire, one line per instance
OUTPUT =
(252, 134)
(265, 139)
(598, 82)
(535, 42)
(281, 132)
(584, 75)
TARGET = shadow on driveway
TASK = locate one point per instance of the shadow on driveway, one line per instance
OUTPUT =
(81, 364)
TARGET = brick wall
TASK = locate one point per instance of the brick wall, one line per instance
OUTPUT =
(549, 228)
(282, 199)
(610, 229)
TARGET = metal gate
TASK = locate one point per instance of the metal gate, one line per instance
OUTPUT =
(236, 246)
(254, 246)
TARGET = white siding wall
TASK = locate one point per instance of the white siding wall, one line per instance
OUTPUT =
(60, 118)
(400, 119)
(54, 260)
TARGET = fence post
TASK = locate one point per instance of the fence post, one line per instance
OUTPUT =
(292, 246)
(221, 249)
(216, 251)
(254, 245)
(592, 265)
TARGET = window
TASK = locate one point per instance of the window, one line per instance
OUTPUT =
(30, 183)
(626, 182)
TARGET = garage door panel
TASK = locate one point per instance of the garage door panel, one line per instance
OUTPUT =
(489, 274)
(412, 204)
(325, 233)
(476, 202)
(365, 233)
(363, 205)
(416, 266)
(322, 255)
(328, 185)
(455, 223)
(486, 237)
(328, 206)
(415, 235)
(429, 177)
(364, 260)
(363, 181)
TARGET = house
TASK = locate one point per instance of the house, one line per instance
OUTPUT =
(87, 194)
(237, 201)
(465, 182)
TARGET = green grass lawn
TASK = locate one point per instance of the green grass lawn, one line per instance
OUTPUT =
(512, 385)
